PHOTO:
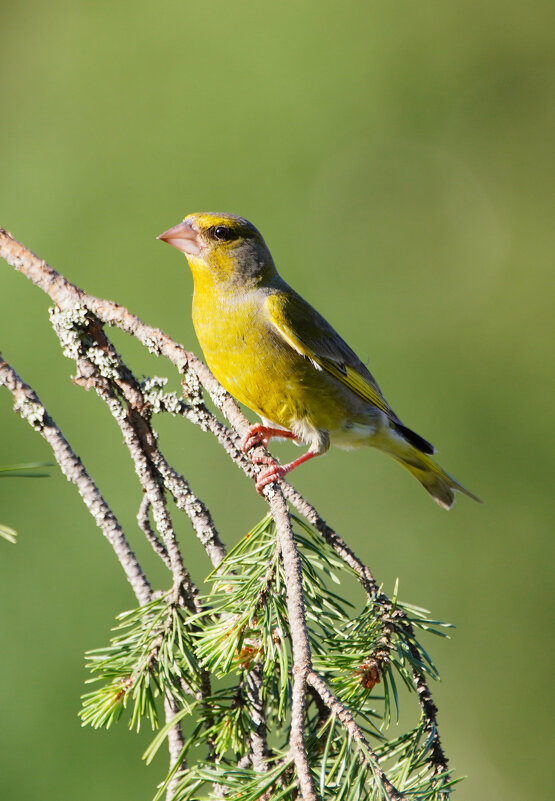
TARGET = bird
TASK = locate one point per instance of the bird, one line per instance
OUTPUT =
(273, 352)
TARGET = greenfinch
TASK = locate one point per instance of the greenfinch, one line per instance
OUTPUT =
(276, 354)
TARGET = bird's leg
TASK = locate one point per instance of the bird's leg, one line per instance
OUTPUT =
(259, 434)
(276, 471)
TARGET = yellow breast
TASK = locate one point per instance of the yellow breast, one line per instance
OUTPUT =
(257, 366)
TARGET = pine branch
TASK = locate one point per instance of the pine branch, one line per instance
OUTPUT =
(437, 758)
(367, 754)
(258, 739)
(268, 591)
(302, 657)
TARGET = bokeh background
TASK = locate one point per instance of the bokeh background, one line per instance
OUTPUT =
(398, 158)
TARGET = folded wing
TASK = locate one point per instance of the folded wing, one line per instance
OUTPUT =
(307, 332)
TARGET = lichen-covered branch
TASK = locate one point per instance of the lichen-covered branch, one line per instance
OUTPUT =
(143, 519)
(30, 408)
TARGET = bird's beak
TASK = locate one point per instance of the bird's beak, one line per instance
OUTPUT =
(183, 237)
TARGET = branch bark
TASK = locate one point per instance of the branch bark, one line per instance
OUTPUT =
(30, 408)
(302, 660)
(350, 724)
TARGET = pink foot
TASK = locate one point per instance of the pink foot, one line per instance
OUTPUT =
(272, 473)
(275, 471)
(259, 434)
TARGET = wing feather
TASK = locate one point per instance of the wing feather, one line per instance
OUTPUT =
(307, 332)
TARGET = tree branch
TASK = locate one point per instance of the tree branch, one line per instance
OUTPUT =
(143, 520)
(176, 742)
(302, 660)
(258, 740)
(229, 439)
(30, 408)
(348, 721)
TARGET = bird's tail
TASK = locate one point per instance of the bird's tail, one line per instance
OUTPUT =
(434, 479)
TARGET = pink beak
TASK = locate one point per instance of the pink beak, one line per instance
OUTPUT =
(183, 237)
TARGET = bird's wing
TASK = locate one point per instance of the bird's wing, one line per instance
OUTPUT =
(307, 332)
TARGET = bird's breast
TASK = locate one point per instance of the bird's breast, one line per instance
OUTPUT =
(260, 369)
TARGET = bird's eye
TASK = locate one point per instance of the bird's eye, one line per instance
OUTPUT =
(223, 233)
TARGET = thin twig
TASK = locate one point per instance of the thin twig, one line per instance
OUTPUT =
(302, 661)
(354, 730)
(66, 295)
(176, 742)
(30, 408)
(71, 299)
(257, 737)
(101, 367)
(186, 500)
(143, 520)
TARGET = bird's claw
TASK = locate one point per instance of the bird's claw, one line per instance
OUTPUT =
(259, 434)
(272, 473)
(256, 435)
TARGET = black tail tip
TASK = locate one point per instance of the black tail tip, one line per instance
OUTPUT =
(415, 439)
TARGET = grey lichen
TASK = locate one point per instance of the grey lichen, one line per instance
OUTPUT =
(116, 407)
(72, 329)
(152, 344)
(34, 413)
(192, 387)
(218, 397)
(160, 401)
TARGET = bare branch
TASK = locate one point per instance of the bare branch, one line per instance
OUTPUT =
(66, 295)
(143, 520)
(302, 661)
(29, 407)
(193, 507)
(176, 742)
(70, 298)
(258, 742)
(137, 434)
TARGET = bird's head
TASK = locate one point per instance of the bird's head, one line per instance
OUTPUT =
(227, 247)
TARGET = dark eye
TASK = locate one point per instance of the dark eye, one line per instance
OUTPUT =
(223, 233)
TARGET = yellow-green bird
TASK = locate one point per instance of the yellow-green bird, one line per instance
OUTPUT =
(276, 354)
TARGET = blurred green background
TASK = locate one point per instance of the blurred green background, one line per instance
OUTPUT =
(398, 158)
